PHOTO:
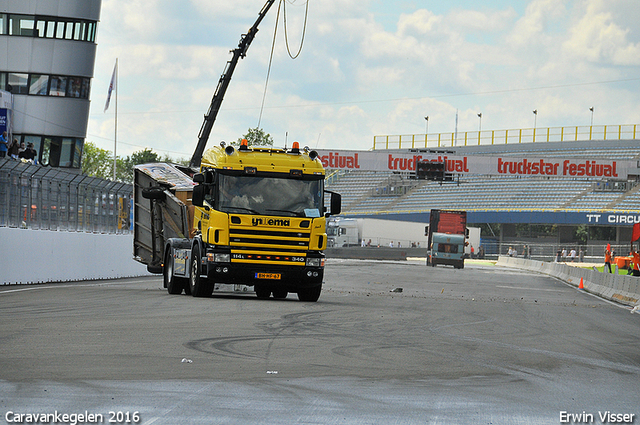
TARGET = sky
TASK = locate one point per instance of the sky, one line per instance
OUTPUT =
(366, 68)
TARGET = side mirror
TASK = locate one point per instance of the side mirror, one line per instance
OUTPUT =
(198, 178)
(336, 204)
(197, 197)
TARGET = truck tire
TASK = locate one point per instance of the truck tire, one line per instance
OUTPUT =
(263, 292)
(199, 287)
(174, 285)
(280, 294)
(310, 294)
(154, 192)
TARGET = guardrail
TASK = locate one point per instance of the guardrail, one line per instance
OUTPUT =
(47, 198)
(618, 288)
(491, 137)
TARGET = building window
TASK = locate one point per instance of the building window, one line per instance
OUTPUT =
(22, 25)
(38, 84)
(58, 86)
(17, 83)
(50, 32)
(46, 26)
(43, 85)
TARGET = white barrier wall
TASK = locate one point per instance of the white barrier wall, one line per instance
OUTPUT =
(37, 256)
(619, 288)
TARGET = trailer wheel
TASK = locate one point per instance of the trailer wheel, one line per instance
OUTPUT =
(310, 294)
(174, 285)
(199, 287)
(154, 192)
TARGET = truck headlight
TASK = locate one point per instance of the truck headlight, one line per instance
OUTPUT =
(315, 262)
(222, 258)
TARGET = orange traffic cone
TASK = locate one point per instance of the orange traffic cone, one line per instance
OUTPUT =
(581, 286)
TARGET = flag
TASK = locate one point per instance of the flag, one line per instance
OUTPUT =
(636, 233)
(112, 85)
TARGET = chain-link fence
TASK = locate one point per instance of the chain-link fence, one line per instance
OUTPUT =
(47, 198)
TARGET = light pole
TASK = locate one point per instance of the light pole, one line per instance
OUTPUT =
(426, 130)
(591, 109)
(480, 124)
(535, 118)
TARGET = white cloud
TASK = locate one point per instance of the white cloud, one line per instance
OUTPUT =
(358, 76)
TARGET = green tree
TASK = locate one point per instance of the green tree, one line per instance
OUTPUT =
(255, 137)
(96, 162)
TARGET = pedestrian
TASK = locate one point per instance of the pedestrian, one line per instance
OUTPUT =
(581, 255)
(572, 254)
(14, 148)
(634, 267)
(29, 154)
(4, 144)
(564, 255)
(391, 244)
(607, 259)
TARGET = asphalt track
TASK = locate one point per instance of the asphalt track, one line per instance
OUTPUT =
(387, 343)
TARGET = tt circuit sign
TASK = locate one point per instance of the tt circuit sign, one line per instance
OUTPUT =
(478, 164)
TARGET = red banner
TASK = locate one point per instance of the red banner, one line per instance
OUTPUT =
(478, 164)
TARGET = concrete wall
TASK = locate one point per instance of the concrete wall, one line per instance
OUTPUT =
(374, 253)
(619, 288)
(37, 256)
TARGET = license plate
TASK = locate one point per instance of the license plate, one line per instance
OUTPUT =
(273, 276)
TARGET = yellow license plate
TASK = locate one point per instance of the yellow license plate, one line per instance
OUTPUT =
(273, 276)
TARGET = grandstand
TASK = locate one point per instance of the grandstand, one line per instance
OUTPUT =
(503, 199)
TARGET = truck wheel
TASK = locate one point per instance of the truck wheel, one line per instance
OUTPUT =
(174, 285)
(154, 192)
(310, 294)
(262, 292)
(199, 287)
(280, 294)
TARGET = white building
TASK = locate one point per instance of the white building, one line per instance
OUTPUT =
(47, 57)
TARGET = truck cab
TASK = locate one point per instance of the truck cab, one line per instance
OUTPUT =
(447, 249)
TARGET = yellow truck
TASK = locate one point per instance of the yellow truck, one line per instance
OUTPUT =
(251, 216)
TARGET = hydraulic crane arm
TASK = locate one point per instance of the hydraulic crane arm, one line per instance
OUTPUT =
(225, 79)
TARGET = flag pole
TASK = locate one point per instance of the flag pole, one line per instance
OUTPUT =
(115, 135)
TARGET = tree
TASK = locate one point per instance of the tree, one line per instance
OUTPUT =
(96, 162)
(255, 137)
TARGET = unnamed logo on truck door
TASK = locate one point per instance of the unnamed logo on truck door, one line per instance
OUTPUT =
(259, 221)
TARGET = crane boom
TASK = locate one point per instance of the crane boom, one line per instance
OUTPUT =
(238, 53)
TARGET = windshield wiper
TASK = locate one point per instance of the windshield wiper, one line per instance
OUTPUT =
(242, 208)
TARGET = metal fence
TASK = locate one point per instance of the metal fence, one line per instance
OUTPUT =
(47, 198)
(491, 137)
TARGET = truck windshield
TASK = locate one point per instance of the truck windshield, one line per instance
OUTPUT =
(269, 196)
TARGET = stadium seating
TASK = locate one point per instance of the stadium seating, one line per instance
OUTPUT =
(365, 192)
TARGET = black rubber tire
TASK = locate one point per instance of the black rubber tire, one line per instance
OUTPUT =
(154, 192)
(174, 285)
(280, 294)
(198, 286)
(262, 292)
(310, 294)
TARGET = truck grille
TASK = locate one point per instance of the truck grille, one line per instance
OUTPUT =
(269, 246)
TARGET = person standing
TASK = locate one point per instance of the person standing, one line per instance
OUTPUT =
(4, 144)
(607, 259)
(14, 149)
(634, 267)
